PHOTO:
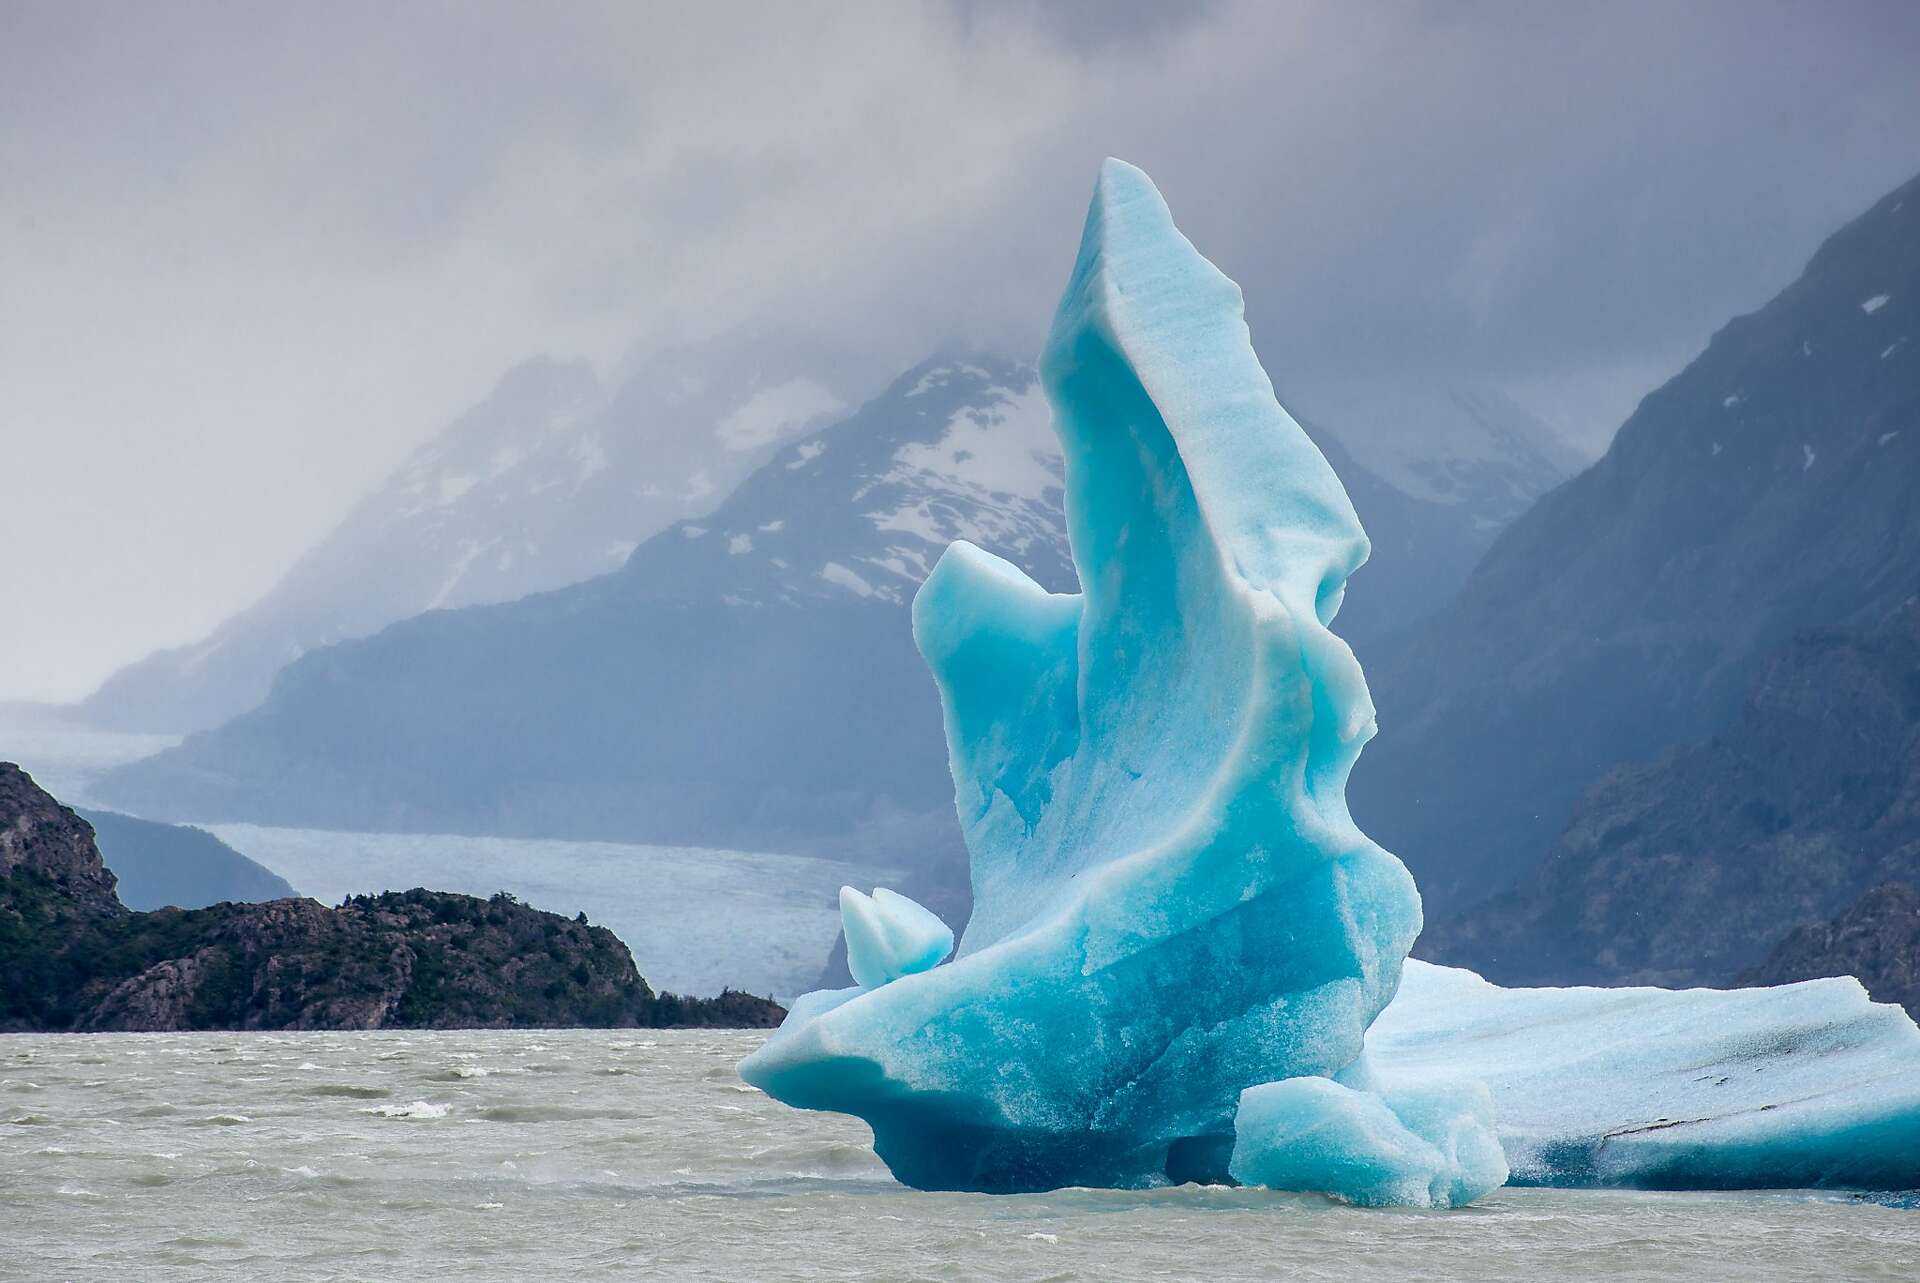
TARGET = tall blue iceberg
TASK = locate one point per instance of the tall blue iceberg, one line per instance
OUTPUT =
(1180, 938)
(1171, 903)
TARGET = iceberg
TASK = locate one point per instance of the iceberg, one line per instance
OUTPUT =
(1185, 961)
(1171, 903)
(889, 936)
(1803, 1086)
(1418, 1146)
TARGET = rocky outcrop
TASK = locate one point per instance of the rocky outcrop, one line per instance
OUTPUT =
(74, 958)
(43, 842)
(1876, 939)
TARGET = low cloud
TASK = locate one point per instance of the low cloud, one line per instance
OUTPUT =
(254, 254)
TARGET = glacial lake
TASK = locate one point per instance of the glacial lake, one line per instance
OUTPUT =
(639, 1155)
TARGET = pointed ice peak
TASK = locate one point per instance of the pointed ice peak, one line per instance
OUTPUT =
(1151, 336)
(889, 936)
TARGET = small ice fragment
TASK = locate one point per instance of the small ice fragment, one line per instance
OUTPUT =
(1414, 1147)
(1875, 303)
(889, 936)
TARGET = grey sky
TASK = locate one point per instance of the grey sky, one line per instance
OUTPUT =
(250, 255)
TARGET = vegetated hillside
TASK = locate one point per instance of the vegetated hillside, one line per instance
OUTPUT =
(75, 958)
(1766, 489)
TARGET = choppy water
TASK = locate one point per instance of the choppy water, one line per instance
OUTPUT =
(593, 1155)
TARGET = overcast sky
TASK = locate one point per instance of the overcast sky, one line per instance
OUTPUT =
(252, 254)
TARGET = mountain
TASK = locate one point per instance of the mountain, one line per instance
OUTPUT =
(76, 958)
(1685, 870)
(1766, 489)
(551, 479)
(1876, 939)
(1459, 445)
(747, 679)
(171, 864)
(1435, 472)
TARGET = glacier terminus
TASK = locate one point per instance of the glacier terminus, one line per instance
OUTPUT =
(1185, 961)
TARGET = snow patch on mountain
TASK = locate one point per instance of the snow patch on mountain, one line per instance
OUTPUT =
(551, 479)
(773, 412)
(1452, 444)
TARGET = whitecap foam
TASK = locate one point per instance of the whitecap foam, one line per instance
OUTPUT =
(418, 1109)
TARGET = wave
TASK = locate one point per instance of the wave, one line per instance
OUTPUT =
(418, 1109)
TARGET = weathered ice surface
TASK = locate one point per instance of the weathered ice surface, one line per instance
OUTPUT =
(1171, 902)
(1805, 1085)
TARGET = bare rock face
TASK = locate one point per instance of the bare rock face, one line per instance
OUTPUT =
(45, 841)
(1876, 939)
(73, 958)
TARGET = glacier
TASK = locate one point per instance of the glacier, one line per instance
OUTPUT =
(1185, 960)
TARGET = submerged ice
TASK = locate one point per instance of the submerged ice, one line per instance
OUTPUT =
(1180, 938)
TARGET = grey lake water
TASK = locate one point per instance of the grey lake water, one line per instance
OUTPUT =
(584, 1155)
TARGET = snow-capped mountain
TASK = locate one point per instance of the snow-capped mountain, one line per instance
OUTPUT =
(962, 448)
(551, 479)
(1458, 445)
(746, 679)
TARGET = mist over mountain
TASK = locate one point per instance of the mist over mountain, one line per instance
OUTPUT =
(1766, 489)
(748, 677)
(172, 864)
(551, 479)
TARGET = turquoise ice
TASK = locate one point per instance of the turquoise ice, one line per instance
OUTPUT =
(1423, 1145)
(1806, 1085)
(1171, 901)
(889, 936)
(1185, 961)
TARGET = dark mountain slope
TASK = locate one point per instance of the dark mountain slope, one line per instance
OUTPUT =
(1766, 489)
(1685, 871)
(1876, 939)
(158, 865)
